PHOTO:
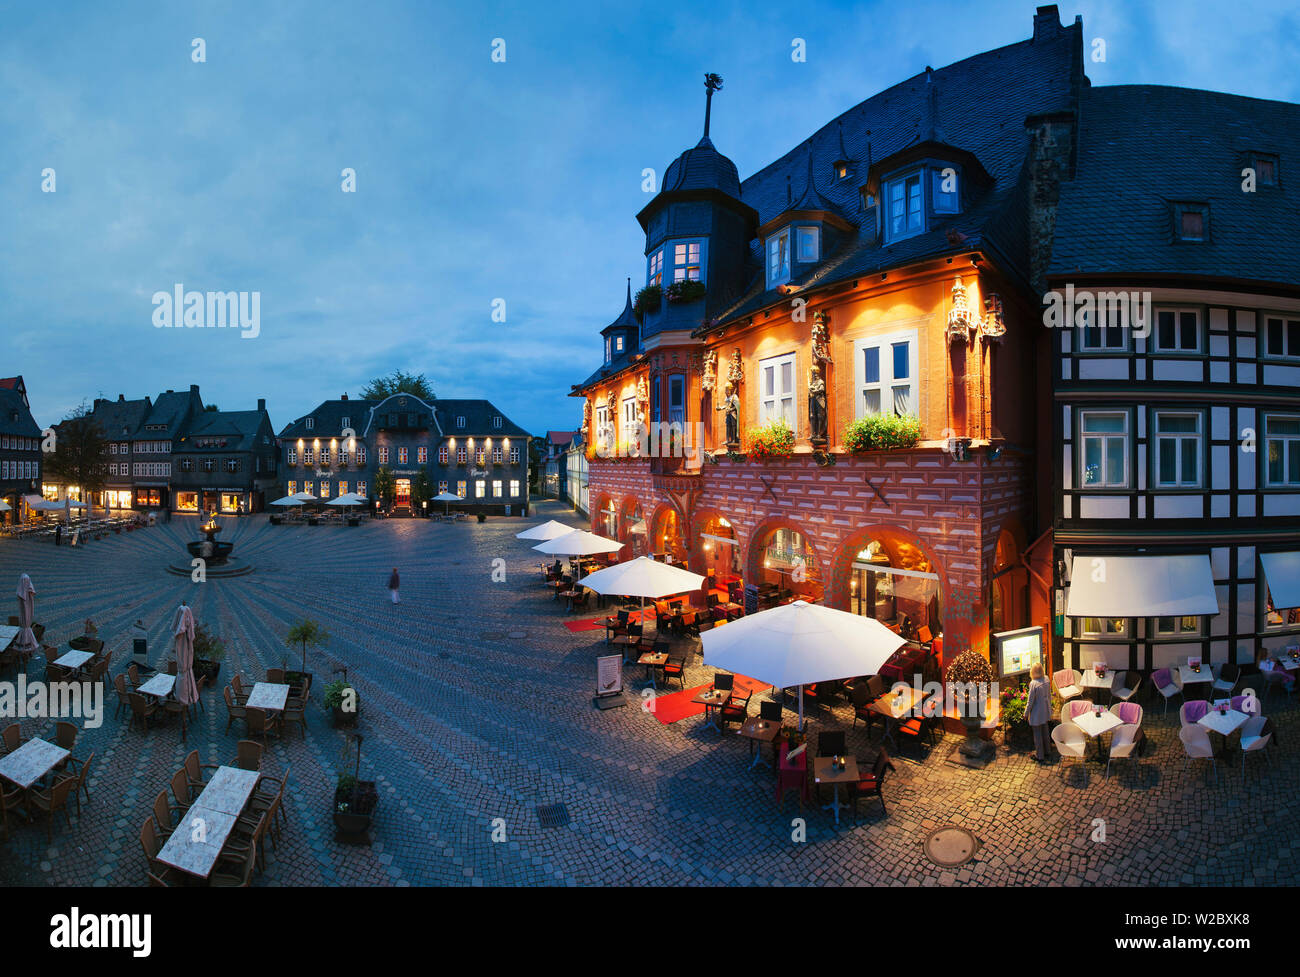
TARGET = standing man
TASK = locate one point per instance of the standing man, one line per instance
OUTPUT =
(393, 583)
(1038, 710)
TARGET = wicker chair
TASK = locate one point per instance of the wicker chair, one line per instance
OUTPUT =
(123, 694)
(142, 710)
(233, 711)
(12, 737)
(77, 771)
(8, 799)
(260, 722)
(248, 755)
(265, 797)
(167, 817)
(49, 801)
(234, 870)
(275, 676)
(295, 711)
(182, 791)
(194, 770)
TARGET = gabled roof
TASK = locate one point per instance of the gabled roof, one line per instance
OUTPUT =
(238, 430)
(983, 102)
(15, 416)
(169, 409)
(121, 419)
(1143, 147)
(560, 438)
(478, 416)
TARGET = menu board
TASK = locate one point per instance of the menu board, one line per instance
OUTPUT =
(1018, 651)
(609, 675)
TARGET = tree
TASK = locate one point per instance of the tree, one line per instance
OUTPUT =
(421, 491)
(534, 466)
(211, 408)
(306, 633)
(80, 455)
(398, 382)
(385, 486)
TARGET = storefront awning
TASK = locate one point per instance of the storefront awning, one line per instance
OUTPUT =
(1282, 571)
(1141, 586)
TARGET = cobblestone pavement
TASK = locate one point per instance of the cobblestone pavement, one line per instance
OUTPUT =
(475, 705)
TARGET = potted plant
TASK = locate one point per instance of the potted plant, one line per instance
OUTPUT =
(355, 799)
(306, 633)
(209, 652)
(341, 698)
(969, 678)
(774, 439)
(647, 299)
(879, 432)
(686, 290)
(1015, 720)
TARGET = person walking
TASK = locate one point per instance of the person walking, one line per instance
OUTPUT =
(393, 583)
(1038, 710)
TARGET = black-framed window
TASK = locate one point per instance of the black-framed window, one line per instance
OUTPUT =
(1281, 338)
(1178, 330)
(1177, 449)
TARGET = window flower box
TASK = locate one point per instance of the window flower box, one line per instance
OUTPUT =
(882, 432)
(686, 290)
(772, 440)
(647, 299)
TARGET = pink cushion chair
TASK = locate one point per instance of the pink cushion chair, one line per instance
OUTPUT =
(1128, 712)
(1163, 680)
(1197, 746)
(1066, 682)
(1071, 709)
(1191, 712)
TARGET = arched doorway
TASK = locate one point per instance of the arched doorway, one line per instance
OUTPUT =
(1009, 595)
(783, 564)
(604, 517)
(889, 577)
(666, 536)
(714, 548)
(635, 532)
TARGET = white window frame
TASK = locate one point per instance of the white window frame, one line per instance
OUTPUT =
(907, 230)
(514, 488)
(1177, 631)
(1286, 318)
(1181, 440)
(1290, 445)
(887, 384)
(480, 488)
(777, 273)
(1105, 436)
(1177, 312)
(804, 234)
(311, 423)
(655, 268)
(683, 266)
(781, 403)
(1103, 332)
(1103, 634)
(496, 488)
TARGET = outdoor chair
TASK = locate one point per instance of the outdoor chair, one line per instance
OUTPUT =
(1226, 677)
(792, 774)
(914, 727)
(1066, 682)
(53, 672)
(871, 784)
(194, 770)
(182, 791)
(171, 667)
(1197, 746)
(615, 626)
(1192, 712)
(295, 711)
(862, 700)
(275, 676)
(734, 710)
(77, 770)
(248, 837)
(1126, 686)
(47, 802)
(233, 711)
(133, 676)
(580, 602)
(166, 816)
(150, 846)
(259, 722)
(1131, 714)
(1163, 680)
(234, 870)
(142, 710)
(12, 737)
(1274, 678)
(248, 755)
(8, 800)
(237, 684)
(1255, 736)
(829, 743)
(269, 791)
(1070, 741)
(1124, 743)
(65, 737)
(675, 668)
(724, 681)
(1076, 708)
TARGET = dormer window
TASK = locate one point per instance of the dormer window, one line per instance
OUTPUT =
(460, 420)
(808, 244)
(944, 187)
(609, 344)
(311, 423)
(905, 216)
(1192, 222)
(686, 261)
(1265, 167)
(778, 259)
(618, 344)
(841, 171)
(655, 269)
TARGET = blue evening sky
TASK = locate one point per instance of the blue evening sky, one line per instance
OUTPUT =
(475, 180)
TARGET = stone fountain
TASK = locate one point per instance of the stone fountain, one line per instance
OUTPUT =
(215, 555)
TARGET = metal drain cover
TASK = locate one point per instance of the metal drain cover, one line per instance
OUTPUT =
(951, 846)
(553, 815)
(491, 635)
(517, 635)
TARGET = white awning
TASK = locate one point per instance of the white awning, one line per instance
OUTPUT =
(1282, 571)
(1141, 586)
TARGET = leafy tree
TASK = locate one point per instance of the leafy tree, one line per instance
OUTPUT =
(211, 408)
(421, 490)
(398, 382)
(80, 455)
(385, 485)
(306, 633)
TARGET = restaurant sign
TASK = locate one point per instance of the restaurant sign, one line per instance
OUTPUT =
(609, 682)
(787, 556)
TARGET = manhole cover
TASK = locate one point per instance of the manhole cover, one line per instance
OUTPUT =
(951, 846)
(553, 815)
(491, 635)
(518, 635)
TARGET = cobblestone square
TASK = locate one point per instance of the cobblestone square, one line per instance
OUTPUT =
(476, 706)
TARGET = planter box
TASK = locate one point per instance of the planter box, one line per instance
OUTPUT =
(344, 718)
(209, 667)
(298, 679)
(353, 811)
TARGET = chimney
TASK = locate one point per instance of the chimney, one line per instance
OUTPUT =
(171, 391)
(194, 388)
(344, 397)
(121, 398)
(261, 404)
(1047, 23)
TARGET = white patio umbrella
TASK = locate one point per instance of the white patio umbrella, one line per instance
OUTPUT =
(547, 530)
(446, 498)
(4, 506)
(643, 577)
(801, 644)
(288, 500)
(578, 542)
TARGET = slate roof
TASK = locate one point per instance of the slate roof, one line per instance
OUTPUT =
(169, 409)
(15, 415)
(1142, 147)
(978, 105)
(121, 419)
(478, 416)
(702, 167)
(627, 318)
(327, 419)
(237, 428)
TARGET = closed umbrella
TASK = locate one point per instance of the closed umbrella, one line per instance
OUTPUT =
(547, 530)
(643, 577)
(578, 542)
(26, 640)
(187, 690)
(801, 644)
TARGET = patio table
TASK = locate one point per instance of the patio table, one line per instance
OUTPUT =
(1224, 723)
(73, 660)
(268, 695)
(1193, 678)
(758, 731)
(31, 761)
(7, 634)
(160, 685)
(1091, 680)
(825, 773)
(196, 844)
(1094, 724)
(894, 705)
(712, 698)
(652, 661)
(229, 790)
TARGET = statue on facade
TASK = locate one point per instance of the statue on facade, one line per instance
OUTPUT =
(586, 419)
(731, 406)
(817, 415)
(710, 366)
